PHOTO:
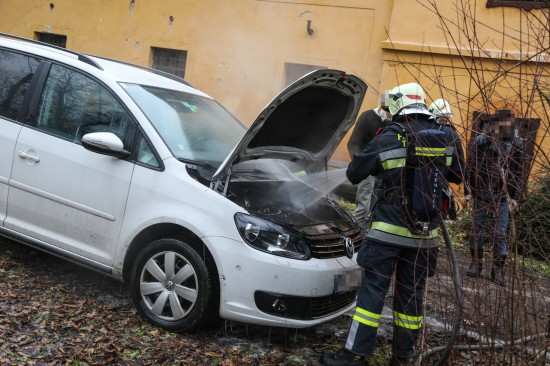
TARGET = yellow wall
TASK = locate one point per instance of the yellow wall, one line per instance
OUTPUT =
(237, 49)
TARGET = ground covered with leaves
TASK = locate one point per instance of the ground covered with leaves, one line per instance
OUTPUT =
(53, 312)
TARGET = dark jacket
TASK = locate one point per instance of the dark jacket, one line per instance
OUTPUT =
(385, 155)
(486, 157)
(366, 127)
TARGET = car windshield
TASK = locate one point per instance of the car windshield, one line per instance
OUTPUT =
(194, 128)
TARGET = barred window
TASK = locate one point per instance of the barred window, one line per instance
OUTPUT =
(522, 4)
(59, 40)
(170, 61)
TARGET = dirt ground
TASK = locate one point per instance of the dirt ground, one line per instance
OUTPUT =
(55, 313)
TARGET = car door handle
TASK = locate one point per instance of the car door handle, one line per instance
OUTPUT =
(24, 155)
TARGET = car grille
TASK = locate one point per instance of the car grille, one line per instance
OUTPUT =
(323, 306)
(331, 245)
(303, 308)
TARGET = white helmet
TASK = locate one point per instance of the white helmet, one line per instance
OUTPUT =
(406, 99)
(441, 108)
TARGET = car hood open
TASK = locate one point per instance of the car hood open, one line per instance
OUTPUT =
(303, 124)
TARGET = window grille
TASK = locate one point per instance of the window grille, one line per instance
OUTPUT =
(170, 60)
(59, 40)
(522, 4)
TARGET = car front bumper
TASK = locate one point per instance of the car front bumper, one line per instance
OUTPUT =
(260, 288)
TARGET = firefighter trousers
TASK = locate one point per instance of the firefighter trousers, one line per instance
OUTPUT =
(411, 266)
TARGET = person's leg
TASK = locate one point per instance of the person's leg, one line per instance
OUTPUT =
(379, 263)
(476, 238)
(502, 217)
(378, 260)
(411, 271)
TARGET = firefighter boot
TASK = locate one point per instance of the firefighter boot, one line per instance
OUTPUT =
(342, 357)
(497, 273)
(477, 263)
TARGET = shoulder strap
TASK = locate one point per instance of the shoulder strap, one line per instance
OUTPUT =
(397, 127)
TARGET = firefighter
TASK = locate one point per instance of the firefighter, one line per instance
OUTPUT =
(442, 111)
(390, 247)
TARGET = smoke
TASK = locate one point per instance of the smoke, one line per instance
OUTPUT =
(326, 181)
(281, 189)
(323, 183)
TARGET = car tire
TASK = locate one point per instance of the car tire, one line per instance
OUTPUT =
(171, 286)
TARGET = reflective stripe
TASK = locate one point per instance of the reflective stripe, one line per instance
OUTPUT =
(352, 334)
(413, 318)
(402, 241)
(430, 151)
(392, 154)
(449, 151)
(393, 164)
(401, 231)
(366, 317)
(393, 159)
(407, 321)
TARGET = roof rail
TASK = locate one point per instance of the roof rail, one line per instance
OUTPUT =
(155, 71)
(81, 56)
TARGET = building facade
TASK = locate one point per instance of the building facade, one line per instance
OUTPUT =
(479, 55)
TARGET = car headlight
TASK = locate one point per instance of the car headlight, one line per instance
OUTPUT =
(271, 238)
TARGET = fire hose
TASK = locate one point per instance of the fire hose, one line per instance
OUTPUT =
(455, 326)
(457, 319)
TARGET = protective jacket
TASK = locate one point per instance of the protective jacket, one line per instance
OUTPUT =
(366, 127)
(386, 155)
(490, 164)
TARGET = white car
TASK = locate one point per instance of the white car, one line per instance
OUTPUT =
(146, 179)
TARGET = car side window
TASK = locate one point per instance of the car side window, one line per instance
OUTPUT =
(145, 154)
(16, 73)
(73, 105)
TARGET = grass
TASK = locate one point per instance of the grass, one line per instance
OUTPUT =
(350, 206)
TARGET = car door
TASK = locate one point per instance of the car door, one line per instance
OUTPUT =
(62, 194)
(15, 76)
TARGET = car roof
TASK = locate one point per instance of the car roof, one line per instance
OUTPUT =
(117, 71)
(127, 73)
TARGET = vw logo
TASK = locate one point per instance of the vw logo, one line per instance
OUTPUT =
(348, 246)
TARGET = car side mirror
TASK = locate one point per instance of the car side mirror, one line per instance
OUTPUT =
(106, 143)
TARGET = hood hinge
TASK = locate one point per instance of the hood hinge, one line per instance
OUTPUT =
(220, 185)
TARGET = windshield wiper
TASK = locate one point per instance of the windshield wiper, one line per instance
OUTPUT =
(202, 164)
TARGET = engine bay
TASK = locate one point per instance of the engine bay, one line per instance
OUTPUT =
(289, 202)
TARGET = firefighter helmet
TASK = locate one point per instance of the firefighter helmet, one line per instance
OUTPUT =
(406, 99)
(441, 108)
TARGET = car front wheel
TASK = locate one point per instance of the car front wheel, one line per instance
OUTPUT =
(171, 285)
